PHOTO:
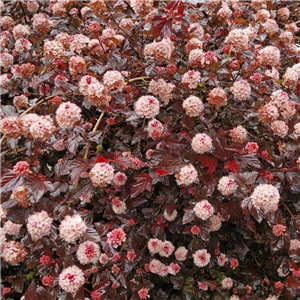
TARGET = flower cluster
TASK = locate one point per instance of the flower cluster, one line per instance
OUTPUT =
(186, 175)
(201, 143)
(116, 237)
(71, 228)
(67, 115)
(71, 279)
(162, 89)
(39, 225)
(102, 174)
(147, 107)
(203, 210)
(193, 106)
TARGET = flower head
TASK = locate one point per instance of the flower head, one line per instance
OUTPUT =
(201, 258)
(39, 224)
(116, 237)
(203, 210)
(71, 279)
(72, 228)
(88, 252)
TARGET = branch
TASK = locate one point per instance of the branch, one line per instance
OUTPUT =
(138, 78)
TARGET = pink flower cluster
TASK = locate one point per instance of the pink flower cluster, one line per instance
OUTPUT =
(191, 79)
(238, 40)
(77, 66)
(147, 107)
(13, 252)
(160, 50)
(78, 43)
(193, 106)
(201, 143)
(265, 197)
(268, 113)
(163, 248)
(238, 134)
(120, 178)
(116, 237)
(280, 128)
(114, 80)
(20, 195)
(227, 186)
(42, 129)
(20, 102)
(39, 224)
(203, 210)
(241, 90)
(201, 258)
(88, 252)
(102, 174)
(41, 24)
(155, 129)
(71, 279)
(186, 175)
(22, 168)
(11, 228)
(270, 55)
(53, 50)
(217, 97)
(162, 89)
(68, 114)
(141, 8)
(118, 206)
(10, 127)
(71, 228)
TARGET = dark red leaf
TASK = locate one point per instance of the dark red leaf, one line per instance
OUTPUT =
(293, 282)
(122, 161)
(38, 186)
(142, 182)
(101, 159)
(9, 181)
(209, 162)
(31, 293)
(250, 224)
(79, 166)
(102, 286)
(44, 78)
(224, 210)
(161, 172)
(189, 216)
(177, 282)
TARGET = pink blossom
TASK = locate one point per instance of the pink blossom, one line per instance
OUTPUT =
(174, 268)
(21, 31)
(201, 258)
(191, 79)
(251, 147)
(238, 134)
(268, 113)
(181, 253)
(53, 50)
(102, 174)
(193, 44)
(234, 263)
(42, 129)
(270, 55)
(193, 106)
(71, 228)
(39, 224)
(154, 246)
(170, 217)
(227, 283)
(265, 197)
(68, 114)
(203, 210)
(222, 259)
(10, 127)
(20, 195)
(217, 97)
(147, 107)
(6, 60)
(71, 279)
(155, 129)
(166, 249)
(118, 206)
(88, 252)
(13, 252)
(143, 293)
(114, 80)
(116, 237)
(238, 40)
(216, 223)
(32, 6)
(241, 90)
(280, 128)
(227, 186)
(126, 25)
(103, 258)
(201, 143)
(270, 26)
(141, 8)
(160, 50)
(120, 178)
(162, 89)
(41, 23)
(12, 228)
(278, 229)
(22, 168)
(78, 43)
(20, 101)
(203, 286)
(196, 31)
(186, 175)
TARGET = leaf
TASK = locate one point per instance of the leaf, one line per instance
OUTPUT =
(161, 172)
(38, 186)
(177, 282)
(250, 224)
(209, 162)
(171, 164)
(101, 159)
(31, 293)
(224, 210)
(122, 161)
(142, 182)
(43, 294)
(135, 202)
(247, 178)
(43, 78)
(161, 26)
(9, 181)
(79, 166)
(293, 282)
(102, 286)
(241, 250)
(91, 234)
(189, 216)
(251, 160)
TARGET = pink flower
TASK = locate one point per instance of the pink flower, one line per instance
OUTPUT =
(102, 174)
(120, 179)
(270, 55)
(174, 268)
(32, 6)
(71, 279)
(22, 168)
(114, 80)
(203, 210)
(251, 147)
(280, 128)
(241, 90)
(77, 65)
(141, 8)
(234, 263)
(160, 50)
(195, 230)
(116, 237)
(222, 259)
(155, 266)
(126, 25)
(227, 283)
(193, 106)
(20, 102)
(131, 256)
(186, 175)
(147, 107)
(294, 244)
(42, 129)
(78, 43)
(201, 143)
(11, 127)
(279, 229)
(88, 252)
(72, 228)
(68, 114)
(41, 23)
(155, 129)
(53, 49)
(191, 79)
(203, 286)
(270, 26)
(118, 206)
(217, 97)
(216, 223)
(21, 31)
(39, 224)
(20, 195)
(238, 134)
(13, 252)
(154, 246)
(143, 293)
(6, 60)
(166, 249)
(196, 30)
(201, 258)
(268, 113)
(265, 197)
(227, 186)
(238, 40)
(12, 228)
(193, 44)
(162, 89)
(47, 281)
(181, 253)
(103, 258)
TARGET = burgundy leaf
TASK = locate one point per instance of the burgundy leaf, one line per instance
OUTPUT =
(224, 210)
(31, 293)
(189, 216)
(209, 162)
(122, 161)
(9, 181)
(38, 186)
(142, 182)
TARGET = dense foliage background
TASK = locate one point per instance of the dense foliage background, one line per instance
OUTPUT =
(48, 163)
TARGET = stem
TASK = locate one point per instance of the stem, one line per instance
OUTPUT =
(86, 154)
(290, 213)
(138, 78)
(297, 22)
